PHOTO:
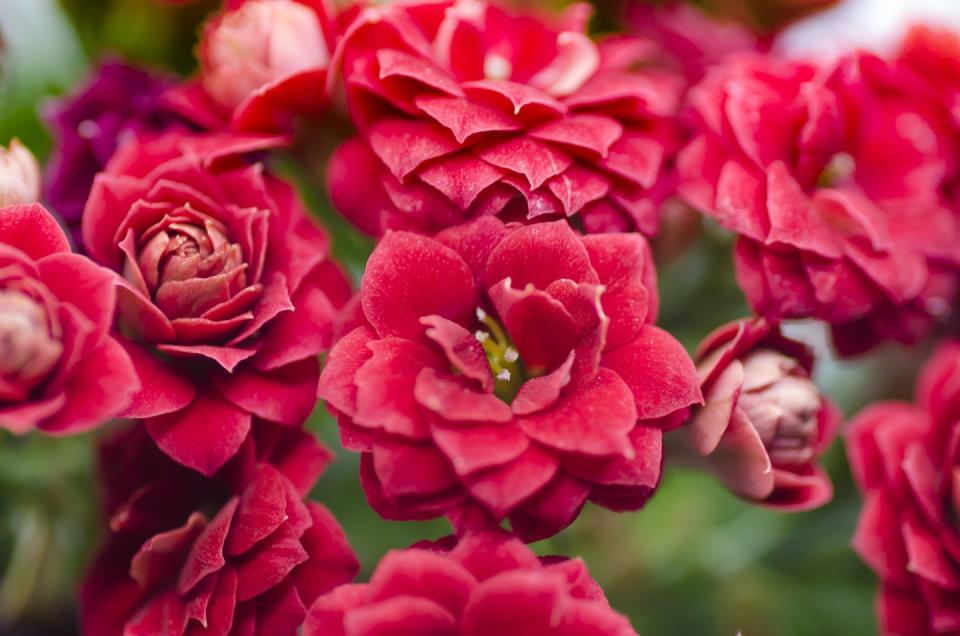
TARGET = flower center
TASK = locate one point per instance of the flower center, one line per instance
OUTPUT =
(504, 359)
(839, 170)
(27, 350)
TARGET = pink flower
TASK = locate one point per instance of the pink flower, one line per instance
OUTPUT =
(465, 109)
(239, 553)
(764, 424)
(60, 370)
(835, 183)
(226, 296)
(514, 368)
(487, 585)
(262, 64)
(906, 460)
(19, 175)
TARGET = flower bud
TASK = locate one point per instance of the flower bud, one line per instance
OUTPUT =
(782, 404)
(259, 43)
(19, 175)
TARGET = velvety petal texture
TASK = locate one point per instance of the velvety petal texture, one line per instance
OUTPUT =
(508, 371)
(61, 369)
(224, 289)
(906, 460)
(466, 109)
(839, 184)
(488, 584)
(764, 423)
(193, 555)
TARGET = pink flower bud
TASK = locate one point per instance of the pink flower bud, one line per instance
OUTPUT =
(19, 175)
(260, 43)
(782, 404)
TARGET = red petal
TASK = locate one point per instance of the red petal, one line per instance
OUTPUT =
(472, 448)
(405, 144)
(457, 402)
(461, 177)
(206, 555)
(32, 230)
(162, 389)
(268, 563)
(462, 349)
(594, 418)
(523, 155)
(658, 371)
(286, 395)
(337, 385)
(204, 435)
(560, 254)
(410, 276)
(503, 488)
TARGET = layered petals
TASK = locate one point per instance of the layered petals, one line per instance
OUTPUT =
(484, 384)
(465, 109)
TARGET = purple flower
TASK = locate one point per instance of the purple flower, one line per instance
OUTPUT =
(88, 125)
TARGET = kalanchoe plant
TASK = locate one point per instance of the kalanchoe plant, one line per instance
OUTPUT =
(501, 360)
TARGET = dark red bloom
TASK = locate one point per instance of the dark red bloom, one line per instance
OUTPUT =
(835, 182)
(117, 102)
(516, 367)
(227, 293)
(906, 460)
(61, 371)
(487, 585)
(764, 424)
(262, 64)
(465, 109)
(239, 553)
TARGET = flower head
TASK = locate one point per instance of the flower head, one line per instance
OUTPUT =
(61, 371)
(764, 424)
(485, 585)
(238, 552)
(906, 460)
(836, 182)
(226, 295)
(465, 109)
(262, 64)
(511, 368)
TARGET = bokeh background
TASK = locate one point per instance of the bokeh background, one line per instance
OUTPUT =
(694, 561)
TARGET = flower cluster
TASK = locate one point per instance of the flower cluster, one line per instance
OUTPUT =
(498, 362)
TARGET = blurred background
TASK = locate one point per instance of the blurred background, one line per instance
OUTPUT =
(694, 561)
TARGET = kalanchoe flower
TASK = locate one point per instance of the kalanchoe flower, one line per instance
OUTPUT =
(511, 367)
(835, 183)
(906, 460)
(60, 370)
(117, 102)
(238, 553)
(764, 424)
(226, 296)
(262, 63)
(465, 109)
(486, 585)
(19, 175)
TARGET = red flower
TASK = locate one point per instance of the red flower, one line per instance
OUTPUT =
(227, 294)
(60, 369)
(262, 63)
(465, 109)
(239, 553)
(511, 366)
(487, 585)
(764, 424)
(834, 183)
(906, 460)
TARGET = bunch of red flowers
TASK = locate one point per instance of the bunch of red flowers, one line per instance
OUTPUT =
(499, 364)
